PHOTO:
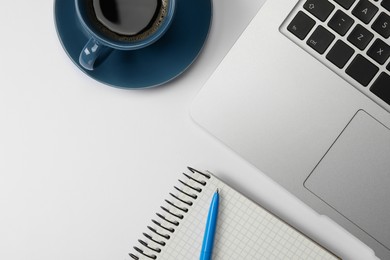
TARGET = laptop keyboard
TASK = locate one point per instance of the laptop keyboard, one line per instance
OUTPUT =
(349, 36)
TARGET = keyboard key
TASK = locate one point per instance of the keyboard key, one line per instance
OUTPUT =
(319, 8)
(340, 54)
(341, 22)
(382, 25)
(365, 11)
(301, 25)
(381, 87)
(379, 51)
(360, 37)
(320, 39)
(386, 4)
(345, 3)
(362, 70)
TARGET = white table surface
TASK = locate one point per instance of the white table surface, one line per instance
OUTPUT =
(84, 166)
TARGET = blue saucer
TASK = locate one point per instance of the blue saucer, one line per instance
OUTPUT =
(148, 67)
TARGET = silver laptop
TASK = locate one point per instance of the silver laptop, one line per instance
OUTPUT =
(304, 95)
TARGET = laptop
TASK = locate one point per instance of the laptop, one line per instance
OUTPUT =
(304, 95)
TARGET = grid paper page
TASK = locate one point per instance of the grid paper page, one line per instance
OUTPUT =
(244, 230)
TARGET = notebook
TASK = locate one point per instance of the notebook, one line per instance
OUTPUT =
(245, 230)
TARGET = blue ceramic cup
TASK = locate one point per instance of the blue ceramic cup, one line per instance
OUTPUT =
(101, 21)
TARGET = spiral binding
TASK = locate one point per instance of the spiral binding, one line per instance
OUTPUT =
(164, 226)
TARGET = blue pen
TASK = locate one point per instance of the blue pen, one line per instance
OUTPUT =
(211, 226)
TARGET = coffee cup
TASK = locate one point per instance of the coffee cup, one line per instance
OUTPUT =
(121, 25)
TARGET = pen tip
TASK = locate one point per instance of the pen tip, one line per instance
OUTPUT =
(217, 191)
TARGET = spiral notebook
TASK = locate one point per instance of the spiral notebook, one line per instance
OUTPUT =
(244, 231)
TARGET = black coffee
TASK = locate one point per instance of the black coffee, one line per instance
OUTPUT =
(127, 20)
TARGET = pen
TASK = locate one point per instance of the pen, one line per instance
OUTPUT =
(211, 226)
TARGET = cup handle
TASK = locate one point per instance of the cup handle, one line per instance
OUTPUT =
(91, 52)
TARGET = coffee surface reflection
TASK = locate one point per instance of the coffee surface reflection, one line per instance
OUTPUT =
(127, 17)
(127, 20)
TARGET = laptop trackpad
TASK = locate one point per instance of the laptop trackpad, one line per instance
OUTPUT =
(354, 176)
